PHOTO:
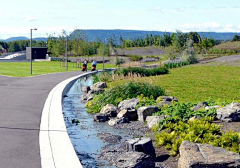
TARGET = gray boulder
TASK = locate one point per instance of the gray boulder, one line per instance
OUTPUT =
(199, 106)
(110, 110)
(204, 155)
(130, 115)
(169, 98)
(115, 121)
(211, 107)
(154, 120)
(128, 104)
(101, 117)
(87, 97)
(90, 97)
(141, 145)
(135, 160)
(143, 112)
(98, 87)
(229, 113)
(85, 89)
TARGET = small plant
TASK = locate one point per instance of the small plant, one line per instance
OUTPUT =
(197, 131)
(119, 61)
(182, 112)
(119, 93)
(135, 57)
(144, 72)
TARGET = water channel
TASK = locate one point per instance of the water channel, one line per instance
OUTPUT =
(84, 135)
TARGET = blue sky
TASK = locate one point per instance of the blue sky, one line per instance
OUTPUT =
(52, 16)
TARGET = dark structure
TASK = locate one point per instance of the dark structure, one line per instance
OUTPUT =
(37, 52)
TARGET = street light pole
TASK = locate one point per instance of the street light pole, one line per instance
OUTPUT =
(104, 52)
(66, 54)
(31, 49)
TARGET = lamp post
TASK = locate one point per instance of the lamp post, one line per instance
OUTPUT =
(31, 49)
(66, 54)
(104, 51)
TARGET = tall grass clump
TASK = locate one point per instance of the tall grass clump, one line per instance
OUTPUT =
(119, 93)
(144, 72)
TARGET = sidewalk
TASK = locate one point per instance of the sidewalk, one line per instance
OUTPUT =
(21, 104)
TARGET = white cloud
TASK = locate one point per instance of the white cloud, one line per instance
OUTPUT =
(158, 9)
(209, 26)
(30, 19)
(180, 9)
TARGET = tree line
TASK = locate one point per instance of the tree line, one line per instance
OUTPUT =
(78, 44)
(16, 46)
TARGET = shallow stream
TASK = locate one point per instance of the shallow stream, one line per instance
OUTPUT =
(84, 135)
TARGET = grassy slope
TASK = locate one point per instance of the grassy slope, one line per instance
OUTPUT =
(228, 45)
(199, 83)
(22, 69)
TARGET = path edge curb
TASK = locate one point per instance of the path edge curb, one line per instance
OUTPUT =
(56, 149)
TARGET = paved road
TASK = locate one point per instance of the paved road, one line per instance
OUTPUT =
(21, 105)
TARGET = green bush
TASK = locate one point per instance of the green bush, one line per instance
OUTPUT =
(176, 65)
(119, 93)
(135, 57)
(143, 71)
(197, 131)
(182, 112)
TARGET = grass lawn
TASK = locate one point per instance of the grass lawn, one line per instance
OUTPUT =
(199, 83)
(22, 69)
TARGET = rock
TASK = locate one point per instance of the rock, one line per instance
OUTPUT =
(84, 97)
(110, 110)
(128, 104)
(143, 112)
(113, 139)
(204, 155)
(169, 99)
(229, 113)
(130, 115)
(200, 106)
(194, 118)
(135, 160)
(211, 107)
(154, 120)
(98, 87)
(90, 97)
(141, 145)
(101, 117)
(116, 121)
(85, 89)
(87, 97)
(164, 103)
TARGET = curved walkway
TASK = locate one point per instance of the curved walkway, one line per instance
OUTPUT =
(21, 105)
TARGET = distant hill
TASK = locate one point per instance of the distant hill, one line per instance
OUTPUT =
(93, 35)
(24, 38)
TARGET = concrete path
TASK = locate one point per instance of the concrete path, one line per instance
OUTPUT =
(21, 105)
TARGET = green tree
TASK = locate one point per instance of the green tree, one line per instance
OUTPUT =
(236, 38)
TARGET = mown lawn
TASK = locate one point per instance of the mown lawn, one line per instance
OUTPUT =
(200, 83)
(22, 69)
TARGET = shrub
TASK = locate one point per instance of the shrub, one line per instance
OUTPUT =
(119, 93)
(143, 71)
(182, 112)
(197, 131)
(171, 65)
(119, 61)
(135, 57)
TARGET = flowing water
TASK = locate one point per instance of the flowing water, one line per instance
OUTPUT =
(84, 135)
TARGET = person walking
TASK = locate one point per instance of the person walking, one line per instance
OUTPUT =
(84, 65)
(94, 65)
